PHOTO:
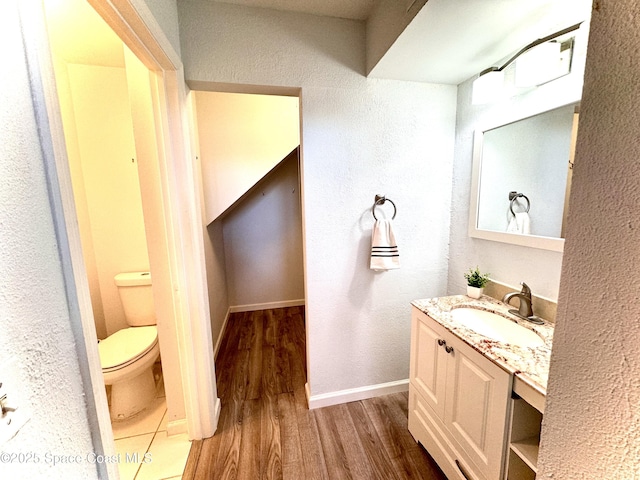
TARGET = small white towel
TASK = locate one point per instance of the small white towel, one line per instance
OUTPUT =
(520, 223)
(384, 250)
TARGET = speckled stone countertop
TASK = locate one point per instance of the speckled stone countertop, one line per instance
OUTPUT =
(530, 364)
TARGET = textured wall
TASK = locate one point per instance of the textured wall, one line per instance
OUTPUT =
(359, 138)
(34, 315)
(590, 428)
(166, 14)
(509, 264)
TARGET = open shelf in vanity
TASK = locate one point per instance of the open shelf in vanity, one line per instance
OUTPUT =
(524, 437)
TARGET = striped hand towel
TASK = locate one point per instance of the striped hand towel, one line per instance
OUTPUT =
(384, 250)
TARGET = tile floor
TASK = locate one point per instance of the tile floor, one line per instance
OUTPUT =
(147, 452)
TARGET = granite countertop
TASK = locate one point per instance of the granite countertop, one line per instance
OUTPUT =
(530, 364)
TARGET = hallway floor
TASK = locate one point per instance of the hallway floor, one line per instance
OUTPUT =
(266, 430)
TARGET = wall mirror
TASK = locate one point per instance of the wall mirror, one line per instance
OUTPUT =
(522, 177)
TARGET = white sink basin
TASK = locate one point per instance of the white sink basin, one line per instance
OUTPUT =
(496, 327)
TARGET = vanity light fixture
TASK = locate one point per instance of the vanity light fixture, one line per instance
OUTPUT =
(488, 86)
(543, 63)
(539, 62)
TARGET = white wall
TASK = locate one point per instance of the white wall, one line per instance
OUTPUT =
(34, 315)
(360, 138)
(263, 241)
(509, 264)
(104, 134)
(241, 138)
(80, 199)
(590, 428)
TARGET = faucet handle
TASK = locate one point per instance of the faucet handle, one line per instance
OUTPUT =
(525, 289)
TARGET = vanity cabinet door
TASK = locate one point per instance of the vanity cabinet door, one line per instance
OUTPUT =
(477, 403)
(468, 396)
(428, 369)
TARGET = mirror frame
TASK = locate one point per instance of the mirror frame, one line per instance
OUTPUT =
(532, 241)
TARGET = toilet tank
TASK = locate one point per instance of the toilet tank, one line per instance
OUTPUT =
(136, 296)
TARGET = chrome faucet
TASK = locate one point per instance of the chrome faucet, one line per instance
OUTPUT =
(525, 309)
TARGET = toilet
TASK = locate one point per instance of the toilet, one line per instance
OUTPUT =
(127, 356)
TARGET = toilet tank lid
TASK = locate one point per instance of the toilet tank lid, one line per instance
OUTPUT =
(132, 279)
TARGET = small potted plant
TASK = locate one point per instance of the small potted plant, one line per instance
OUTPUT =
(475, 282)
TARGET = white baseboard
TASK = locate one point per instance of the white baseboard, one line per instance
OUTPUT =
(216, 415)
(177, 427)
(219, 340)
(355, 394)
(265, 306)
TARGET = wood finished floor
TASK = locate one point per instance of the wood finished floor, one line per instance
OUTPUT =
(266, 430)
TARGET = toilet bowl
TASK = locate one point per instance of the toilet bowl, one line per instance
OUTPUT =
(127, 356)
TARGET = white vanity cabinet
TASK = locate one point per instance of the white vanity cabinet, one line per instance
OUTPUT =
(458, 402)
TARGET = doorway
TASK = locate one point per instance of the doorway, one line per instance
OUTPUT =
(169, 209)
(100, 85)
(248, 146)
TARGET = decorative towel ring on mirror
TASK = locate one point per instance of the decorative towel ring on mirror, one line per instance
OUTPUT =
(514, 196)
(380, 199)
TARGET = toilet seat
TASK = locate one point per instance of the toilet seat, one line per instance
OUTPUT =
(126, 346)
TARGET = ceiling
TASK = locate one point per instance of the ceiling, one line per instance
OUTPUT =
(449, 41)
(353, 9)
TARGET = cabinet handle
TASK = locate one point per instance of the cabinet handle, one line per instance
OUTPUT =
(441, 342)
(448, 349)
(464, 474)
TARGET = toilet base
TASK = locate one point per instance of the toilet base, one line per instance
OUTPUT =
(132, 395)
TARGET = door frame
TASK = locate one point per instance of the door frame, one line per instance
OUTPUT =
(179, 191)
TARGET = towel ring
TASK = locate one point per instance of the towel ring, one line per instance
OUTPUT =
(513, 196)
(380, 199)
